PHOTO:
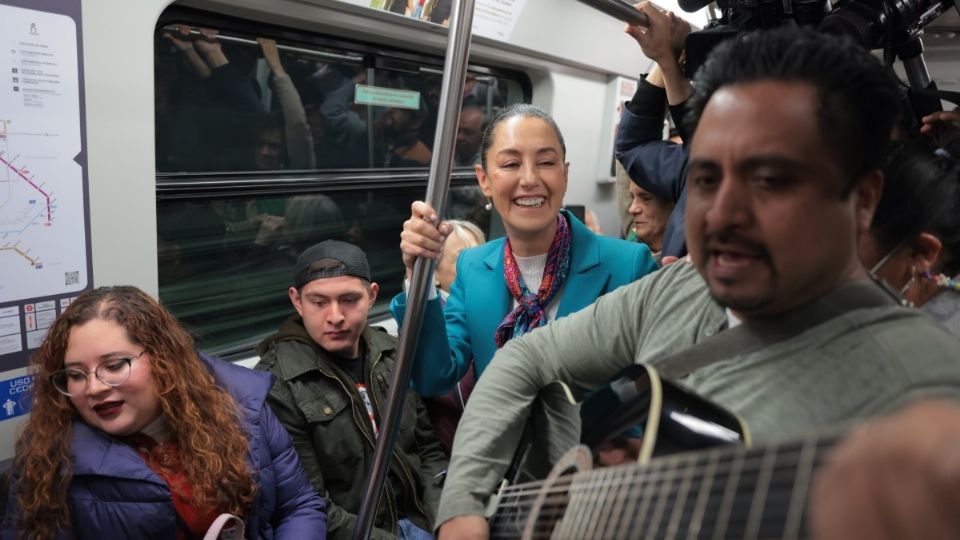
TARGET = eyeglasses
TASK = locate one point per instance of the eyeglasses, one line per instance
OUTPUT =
(896, 295)
(113, 372)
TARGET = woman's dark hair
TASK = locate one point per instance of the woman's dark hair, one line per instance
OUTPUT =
(520, 109)
(921, 193)
(858, 96)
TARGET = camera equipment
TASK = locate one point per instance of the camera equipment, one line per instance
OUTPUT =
(742, 15)
(880, 24)
(895, 26)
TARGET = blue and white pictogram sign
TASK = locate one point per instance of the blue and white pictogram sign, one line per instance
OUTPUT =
(16, 396)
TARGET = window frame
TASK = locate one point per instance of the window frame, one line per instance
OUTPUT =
(204, 186)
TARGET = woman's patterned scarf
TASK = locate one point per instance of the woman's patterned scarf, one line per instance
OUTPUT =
(531, 312)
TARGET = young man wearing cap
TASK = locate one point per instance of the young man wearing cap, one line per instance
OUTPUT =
(332, 371)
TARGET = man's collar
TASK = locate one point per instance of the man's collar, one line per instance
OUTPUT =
(378, 341)
(732, 320)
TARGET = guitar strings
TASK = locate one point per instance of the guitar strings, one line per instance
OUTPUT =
(752, 459)
(781, 484)
(624, 522)
(621, 518)
(642, 481)
(640, 476)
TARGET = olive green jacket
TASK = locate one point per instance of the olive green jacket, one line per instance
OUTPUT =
(320, 406)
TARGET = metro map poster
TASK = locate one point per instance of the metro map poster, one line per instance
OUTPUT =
(44, 209)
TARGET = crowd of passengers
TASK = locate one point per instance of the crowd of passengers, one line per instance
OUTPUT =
(221, 107)
(228, 107)
(802, 184)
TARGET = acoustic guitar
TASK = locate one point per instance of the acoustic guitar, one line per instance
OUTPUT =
(660, 462)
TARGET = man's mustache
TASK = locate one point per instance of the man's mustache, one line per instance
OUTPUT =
(728, 241)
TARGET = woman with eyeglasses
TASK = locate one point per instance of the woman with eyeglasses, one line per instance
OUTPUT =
(132, 434)
(913, 245)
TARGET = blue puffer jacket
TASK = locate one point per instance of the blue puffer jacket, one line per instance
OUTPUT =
(115, 495)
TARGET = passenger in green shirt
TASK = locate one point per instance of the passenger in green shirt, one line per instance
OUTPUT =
(784, 175)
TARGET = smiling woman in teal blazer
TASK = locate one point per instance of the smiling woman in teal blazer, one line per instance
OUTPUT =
(565, 265)
(463, 329)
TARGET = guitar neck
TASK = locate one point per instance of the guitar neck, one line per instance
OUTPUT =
(726, 492)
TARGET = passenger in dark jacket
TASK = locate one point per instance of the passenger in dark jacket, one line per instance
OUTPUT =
(656, 165)
(332, 374)
(133, 435)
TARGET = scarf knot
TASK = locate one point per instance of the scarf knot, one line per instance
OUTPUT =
(531, 308)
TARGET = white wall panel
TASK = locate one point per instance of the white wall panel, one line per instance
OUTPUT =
(118, 65)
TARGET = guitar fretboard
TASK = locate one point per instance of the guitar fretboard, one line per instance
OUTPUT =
(727, 492)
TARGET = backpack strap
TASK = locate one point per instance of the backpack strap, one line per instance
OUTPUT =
(226, 526)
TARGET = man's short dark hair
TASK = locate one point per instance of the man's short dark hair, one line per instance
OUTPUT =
(921, 193)
(858, 96)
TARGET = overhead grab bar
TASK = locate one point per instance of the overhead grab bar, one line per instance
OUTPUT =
(620, 10)
(353, 58)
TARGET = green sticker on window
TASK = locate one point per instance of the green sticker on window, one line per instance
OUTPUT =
(386, 97)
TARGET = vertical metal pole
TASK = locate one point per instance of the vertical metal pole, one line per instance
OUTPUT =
(454, 71)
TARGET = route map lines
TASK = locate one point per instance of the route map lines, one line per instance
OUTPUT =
(13, 219)
(20, 252)
(22, 174)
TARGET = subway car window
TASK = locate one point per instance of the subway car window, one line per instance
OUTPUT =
(243, 115)
(229, 101)
(226, 263)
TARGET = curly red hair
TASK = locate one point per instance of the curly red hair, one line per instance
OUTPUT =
(203, 418)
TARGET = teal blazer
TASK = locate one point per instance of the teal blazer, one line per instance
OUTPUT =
(463, 329)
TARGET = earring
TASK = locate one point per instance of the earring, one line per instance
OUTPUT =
(489, 206)
(942, 281)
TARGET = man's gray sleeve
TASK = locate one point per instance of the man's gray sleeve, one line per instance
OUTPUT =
(583, 350)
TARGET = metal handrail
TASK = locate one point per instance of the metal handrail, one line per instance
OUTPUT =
(356, 59)
(620, 10)
(454, 75)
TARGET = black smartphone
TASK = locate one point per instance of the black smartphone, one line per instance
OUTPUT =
(578, 210)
